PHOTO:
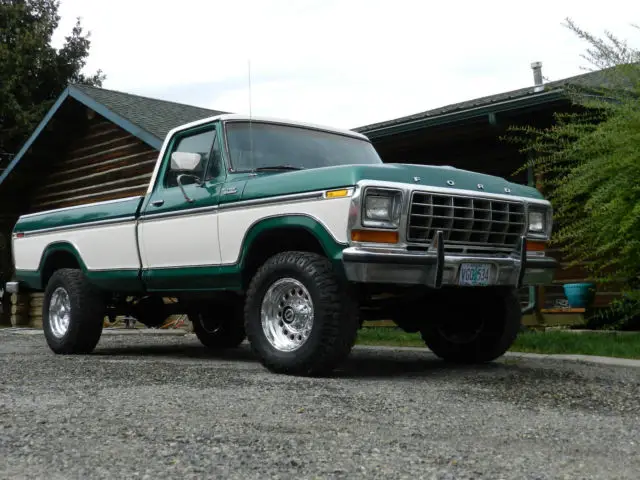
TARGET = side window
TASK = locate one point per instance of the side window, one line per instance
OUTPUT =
(200, 143)
(214, 166)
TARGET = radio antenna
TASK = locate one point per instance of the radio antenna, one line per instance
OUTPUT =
(249, 79)
(250, 117)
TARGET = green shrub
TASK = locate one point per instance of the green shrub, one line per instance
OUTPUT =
(623, 314)
(589, 164)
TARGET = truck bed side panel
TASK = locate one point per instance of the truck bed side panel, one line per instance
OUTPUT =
(80, 215)
(102, 234)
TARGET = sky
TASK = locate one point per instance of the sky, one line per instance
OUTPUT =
(344, 63)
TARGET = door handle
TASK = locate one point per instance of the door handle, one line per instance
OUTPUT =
(157, 203)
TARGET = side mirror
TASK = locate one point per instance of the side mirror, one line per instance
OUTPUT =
(185, 161)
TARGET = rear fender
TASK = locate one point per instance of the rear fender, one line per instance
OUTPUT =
(36, 280)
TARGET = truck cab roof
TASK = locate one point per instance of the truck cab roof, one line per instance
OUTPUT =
(257, 118)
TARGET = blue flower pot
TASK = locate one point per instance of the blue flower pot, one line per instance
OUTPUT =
(580, 295)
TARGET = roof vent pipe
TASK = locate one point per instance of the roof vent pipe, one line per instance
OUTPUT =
(537, 76)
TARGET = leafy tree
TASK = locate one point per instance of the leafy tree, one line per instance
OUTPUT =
(32, 76)
(589, 165)
(32, 72)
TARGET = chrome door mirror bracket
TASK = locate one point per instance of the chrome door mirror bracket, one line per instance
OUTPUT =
(184, 193)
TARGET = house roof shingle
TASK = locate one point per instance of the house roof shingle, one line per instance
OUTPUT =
(596, 79)
(147, 118)
(155, 116)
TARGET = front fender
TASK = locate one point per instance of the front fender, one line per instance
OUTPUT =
(332, 248)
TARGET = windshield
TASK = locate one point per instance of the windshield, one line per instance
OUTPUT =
(263, 145)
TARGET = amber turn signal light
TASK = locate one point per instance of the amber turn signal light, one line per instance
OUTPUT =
(374, 236)
(533, 246)
(343, 192)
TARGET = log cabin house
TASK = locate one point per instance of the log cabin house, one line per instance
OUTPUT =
(96, 144)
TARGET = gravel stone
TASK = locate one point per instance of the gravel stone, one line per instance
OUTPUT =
(161, 406)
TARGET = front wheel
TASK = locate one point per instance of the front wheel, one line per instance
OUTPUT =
(473, 325)
(299, 316)
(72, 313)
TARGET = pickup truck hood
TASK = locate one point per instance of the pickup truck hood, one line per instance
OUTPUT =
(282, 183)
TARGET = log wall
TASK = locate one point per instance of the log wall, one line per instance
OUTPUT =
(104, 162)
(553, 295)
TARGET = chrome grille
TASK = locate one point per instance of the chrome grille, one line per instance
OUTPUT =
(472, 221)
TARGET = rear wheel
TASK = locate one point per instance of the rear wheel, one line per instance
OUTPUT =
(299, 316)
(474, 325)
(72, 313)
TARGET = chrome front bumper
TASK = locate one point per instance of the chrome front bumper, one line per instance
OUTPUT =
(435, 269)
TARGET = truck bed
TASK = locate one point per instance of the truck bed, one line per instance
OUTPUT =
(102, 234)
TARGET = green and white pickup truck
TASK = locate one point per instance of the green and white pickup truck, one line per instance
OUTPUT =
(290, 235)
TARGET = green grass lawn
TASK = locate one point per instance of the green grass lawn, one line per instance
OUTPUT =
(624, 345)
(390, 336)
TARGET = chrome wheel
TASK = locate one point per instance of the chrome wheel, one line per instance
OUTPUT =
(287, 314)
(59, 312)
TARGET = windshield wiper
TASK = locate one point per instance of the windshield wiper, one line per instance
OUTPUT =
(277, 167)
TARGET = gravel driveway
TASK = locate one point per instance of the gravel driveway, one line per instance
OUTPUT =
(160, 406)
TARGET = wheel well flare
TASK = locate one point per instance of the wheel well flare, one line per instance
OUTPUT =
(55, 260)
(273, 241)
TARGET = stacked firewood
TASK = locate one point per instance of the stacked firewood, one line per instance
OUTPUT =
(26, 310)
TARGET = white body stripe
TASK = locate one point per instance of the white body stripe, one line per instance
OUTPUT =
(187, 240)
(210, 238)
(333, 214)
(103, 247)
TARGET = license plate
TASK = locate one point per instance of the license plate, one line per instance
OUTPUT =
(474, 274)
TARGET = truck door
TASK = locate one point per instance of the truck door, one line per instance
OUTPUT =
(178, 229)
